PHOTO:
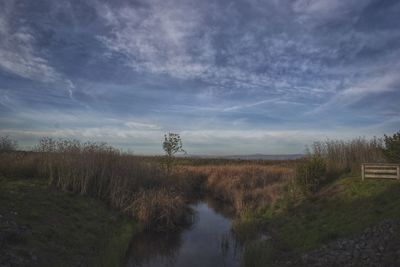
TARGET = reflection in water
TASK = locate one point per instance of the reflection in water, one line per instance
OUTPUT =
(208, 242)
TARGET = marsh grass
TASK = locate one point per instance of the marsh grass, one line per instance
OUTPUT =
(19, 164)
(138, 188)
(247, 186)
(159, 209)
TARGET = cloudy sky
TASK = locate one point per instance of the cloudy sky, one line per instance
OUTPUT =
(232, 77)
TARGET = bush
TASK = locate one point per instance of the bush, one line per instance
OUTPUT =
(392, 147)
(7, 144)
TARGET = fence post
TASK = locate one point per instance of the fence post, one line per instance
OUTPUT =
(398, 172)
(362, 171)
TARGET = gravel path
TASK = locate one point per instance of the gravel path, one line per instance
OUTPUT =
(376, 246)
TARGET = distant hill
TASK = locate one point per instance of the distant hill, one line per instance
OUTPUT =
(252, 157)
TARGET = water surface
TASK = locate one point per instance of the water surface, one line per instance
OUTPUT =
(207, 242)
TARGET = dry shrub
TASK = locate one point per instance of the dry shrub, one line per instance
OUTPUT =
(159, 209)
(244, 186)
(186, 181)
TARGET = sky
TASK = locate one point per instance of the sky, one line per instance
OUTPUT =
(231, 77)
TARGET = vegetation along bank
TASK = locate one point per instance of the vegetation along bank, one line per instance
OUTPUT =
(72, 203)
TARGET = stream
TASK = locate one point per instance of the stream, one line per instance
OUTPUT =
(207, 242)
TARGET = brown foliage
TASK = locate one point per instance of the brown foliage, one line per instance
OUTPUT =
(159, 209)
(245, 187)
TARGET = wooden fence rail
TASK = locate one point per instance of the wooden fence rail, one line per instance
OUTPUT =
(380, 171)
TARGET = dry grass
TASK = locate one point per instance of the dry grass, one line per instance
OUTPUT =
(159, 209)
(138, 188)
(249, 186)
(18, 164)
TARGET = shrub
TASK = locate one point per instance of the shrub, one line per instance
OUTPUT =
(392, 147)
(7, 144)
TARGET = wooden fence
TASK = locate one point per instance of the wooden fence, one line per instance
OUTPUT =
(380, 171)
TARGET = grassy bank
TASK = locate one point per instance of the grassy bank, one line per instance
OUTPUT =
(324, 200)
(45, 227)
(341, 209)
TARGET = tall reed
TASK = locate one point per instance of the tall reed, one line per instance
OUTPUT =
(345, 156)
(137, 188)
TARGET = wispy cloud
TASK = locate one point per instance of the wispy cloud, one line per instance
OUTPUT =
(249, 105)
(18, 54)
(142, 126)
(161, 37)
(372, 86)
(179, 39)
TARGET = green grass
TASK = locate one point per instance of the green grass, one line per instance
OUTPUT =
(340, 210)
(355, 206)
(65, 229)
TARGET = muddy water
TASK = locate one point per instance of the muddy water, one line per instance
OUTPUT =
(207, 242)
